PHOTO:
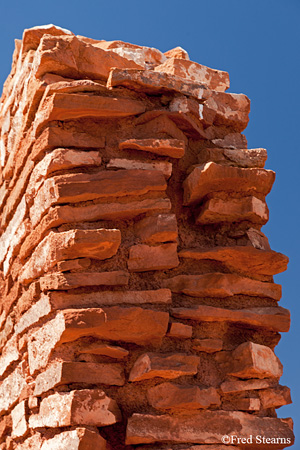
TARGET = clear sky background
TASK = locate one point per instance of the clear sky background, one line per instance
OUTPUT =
(257, 42)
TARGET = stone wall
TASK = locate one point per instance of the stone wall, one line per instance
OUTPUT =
(138, 308)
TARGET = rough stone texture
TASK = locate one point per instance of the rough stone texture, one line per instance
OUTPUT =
(151, 365)
(133, 273)
(251, 360)
(84, 407)
(206, 427)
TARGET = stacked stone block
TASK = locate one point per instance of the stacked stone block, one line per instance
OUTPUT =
(138, 308)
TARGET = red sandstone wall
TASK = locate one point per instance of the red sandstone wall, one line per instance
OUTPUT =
(138, 308)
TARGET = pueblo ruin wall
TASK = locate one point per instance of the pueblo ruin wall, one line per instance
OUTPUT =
(138, 308)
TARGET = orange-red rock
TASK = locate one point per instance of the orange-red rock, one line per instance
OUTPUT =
(180, 331)
(19, 420)
(272, 318)
(79, 407)
(243, 259)
(156, 229)
(74, 188)
(206, 427)
(143, 258)
(231, 110)
(111, 351)
(62, 106)
(73, 264)
(152, 365)
(63, 281)
(258, 239)
(98, 244)
(221, 285)
(242, 404)
(217, 210)
(247, 158)
(176, 397)
(134, 324)
(177, 52)
(276, 397)
(64, 300)
(207, 345)
(32, 36)
(246, 385)
(11, 388)
(251, 360)
(167, 147)
(9, 354)
(214, 79)
(71, 57)
(78, 372)
(120, 163)
(212, 177)
(153, 82)
(78, 439)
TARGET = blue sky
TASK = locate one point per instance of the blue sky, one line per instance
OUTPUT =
(257, 42)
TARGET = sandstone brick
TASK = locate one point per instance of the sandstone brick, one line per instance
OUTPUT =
(177, 52)
(71, 57)
(120, 163)
(38, 310)
(214, 79)
(151, 82)
(32, 36)
(276, 397)
(134, 324)
(180, 331)
(64, 300)
(6, 331)
(102, 211)
(250, 209)
(78, 372)
(166, 147)
(62, 106)
(80, 438)
(143, 258)
(8, 239)
(60, 159)
(63, 281)
(272, 318)
(73, 264)
(15, 243)
(246, 385)
(156, 229)
(231, 110)
(175, 397)
(207, 345)
(11, 388)
(145, 56)
(58, 137)
(247, 158)
(152, 365)
(258, 239)
(19, 422)
(99, 244)
(111, 351)
(221, 285)
(206, 427)
(251, 360)
(243, 259)
(84, 407)
(231, 141)
(74, 188)
(211, 177)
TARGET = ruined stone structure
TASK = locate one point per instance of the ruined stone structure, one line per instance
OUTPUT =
(138, 308)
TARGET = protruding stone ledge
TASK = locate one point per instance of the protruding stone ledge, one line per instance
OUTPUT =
(243, 259)
(271, 318)
(165, 147)
(211, 177)
(207, 427)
